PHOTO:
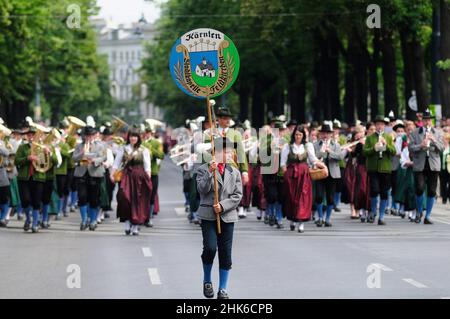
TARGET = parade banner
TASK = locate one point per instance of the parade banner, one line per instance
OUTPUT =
(204, 63)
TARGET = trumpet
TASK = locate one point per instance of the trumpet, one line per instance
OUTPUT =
(87, 148)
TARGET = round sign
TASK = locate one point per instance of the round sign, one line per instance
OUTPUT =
(412, 103)
(204, 63)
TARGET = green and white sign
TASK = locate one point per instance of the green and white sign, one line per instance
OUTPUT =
(204, 63)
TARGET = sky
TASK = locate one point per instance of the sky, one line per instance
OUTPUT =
(127, 11)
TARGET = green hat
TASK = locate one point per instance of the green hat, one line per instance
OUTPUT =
(224, 112)
(381, 118)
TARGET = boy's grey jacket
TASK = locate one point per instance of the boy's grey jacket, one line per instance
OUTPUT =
(230, 193)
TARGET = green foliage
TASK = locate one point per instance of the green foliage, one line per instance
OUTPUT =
(36, 42)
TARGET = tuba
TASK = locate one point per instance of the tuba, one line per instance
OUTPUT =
(74, 124)
(118, 124)
(44, 162)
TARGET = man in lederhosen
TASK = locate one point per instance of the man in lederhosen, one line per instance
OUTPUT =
(89, 171)
(426, 146)
(379, 149)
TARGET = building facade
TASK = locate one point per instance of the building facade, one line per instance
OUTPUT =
(124, 47)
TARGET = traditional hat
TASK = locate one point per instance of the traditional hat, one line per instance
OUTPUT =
(427, 115)
(326, 128)
(292, 122)
(381, 118)
(337, 124)
(391, 116)
(105, 130)
(398, 123)
(89, 130)
(224, 112)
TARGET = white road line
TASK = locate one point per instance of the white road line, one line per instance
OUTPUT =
(382, 267)
(146, 251)
(414, 283)
(180, 211)
(439, 220)
(154, 276)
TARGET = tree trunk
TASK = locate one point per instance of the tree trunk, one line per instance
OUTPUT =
(243, 103)
(319, 96)
(420, 79)
(361, 76)
(389, 72)
(349, 98)
(258, 111)
(296, 98)
(445, 54)
(331, 73)
(408, 74)
(373, 75)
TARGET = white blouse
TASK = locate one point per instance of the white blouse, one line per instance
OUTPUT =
(299, 149)
(127, 148)
(404, 158)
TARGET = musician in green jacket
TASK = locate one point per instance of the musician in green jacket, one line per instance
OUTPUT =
(61, 172)
(378, 149)
(31, 182)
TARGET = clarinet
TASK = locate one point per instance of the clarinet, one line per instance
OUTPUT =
(379, 141)
(428, 141)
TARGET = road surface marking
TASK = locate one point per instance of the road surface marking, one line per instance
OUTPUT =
(414, 283)
(146, 251)
(439, 220)
(154, 276)
(382, 267)
(180, 211)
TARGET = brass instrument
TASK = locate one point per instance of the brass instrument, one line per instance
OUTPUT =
(118, 140)
(117, 124)
(39, 149)
(87, 148)
(74, 124)
(4, 132)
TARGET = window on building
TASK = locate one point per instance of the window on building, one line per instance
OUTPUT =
(121, 57)
(132, 55)
(139, 55)
(127, 56)
(113, 57)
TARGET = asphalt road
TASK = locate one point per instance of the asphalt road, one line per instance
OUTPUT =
(349, 260)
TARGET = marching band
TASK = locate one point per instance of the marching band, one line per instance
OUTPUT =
(297, 172)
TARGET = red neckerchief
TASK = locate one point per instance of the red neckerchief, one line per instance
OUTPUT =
(221, 167)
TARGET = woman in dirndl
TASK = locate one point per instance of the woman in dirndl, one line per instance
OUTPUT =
(297, 183)
(356, 178)
(133, 197)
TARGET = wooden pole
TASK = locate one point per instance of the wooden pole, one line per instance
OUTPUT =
(216, 190)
